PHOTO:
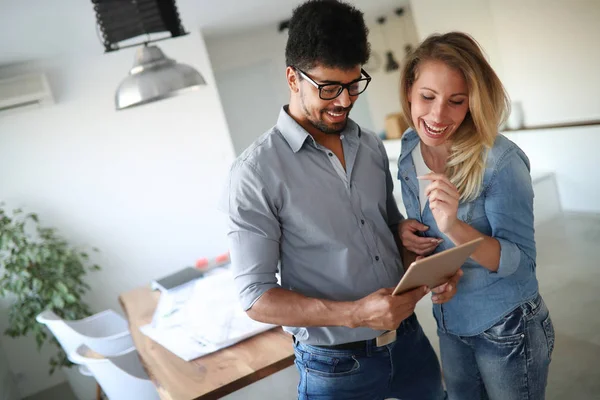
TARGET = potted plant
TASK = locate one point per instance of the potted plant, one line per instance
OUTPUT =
(40, 270)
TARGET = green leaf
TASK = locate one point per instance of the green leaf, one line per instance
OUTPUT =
(37, 285)
(62, 288)
(39, 341)
(58, 301)
(70, 299)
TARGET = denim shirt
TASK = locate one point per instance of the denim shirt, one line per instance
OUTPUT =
(504, 211)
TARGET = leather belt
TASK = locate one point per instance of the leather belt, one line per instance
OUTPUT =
(384, 339)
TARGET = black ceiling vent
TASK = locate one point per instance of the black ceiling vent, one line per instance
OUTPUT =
(120, 20)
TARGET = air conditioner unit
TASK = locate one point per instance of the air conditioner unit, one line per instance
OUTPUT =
(24, 91)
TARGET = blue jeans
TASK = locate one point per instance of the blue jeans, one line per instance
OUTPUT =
(407, 369)
(509, 361)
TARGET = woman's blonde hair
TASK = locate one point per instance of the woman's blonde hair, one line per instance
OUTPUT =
(489, 105)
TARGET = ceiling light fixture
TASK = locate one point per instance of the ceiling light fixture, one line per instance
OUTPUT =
(390, 64)
(153, 76)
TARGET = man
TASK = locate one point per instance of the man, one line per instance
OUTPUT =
(314, 194)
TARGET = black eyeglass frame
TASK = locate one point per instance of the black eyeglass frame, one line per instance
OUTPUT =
(342, 86)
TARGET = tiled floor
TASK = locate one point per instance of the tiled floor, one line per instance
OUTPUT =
(569, 275)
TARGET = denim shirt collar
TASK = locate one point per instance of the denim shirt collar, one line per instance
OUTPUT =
(407, 173)
(410, 140)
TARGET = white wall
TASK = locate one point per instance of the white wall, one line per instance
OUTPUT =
(250, 74)
(471, 16)
(572, 154)
(237, 50)
(140, 184)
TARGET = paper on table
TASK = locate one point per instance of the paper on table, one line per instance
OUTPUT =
(167, 311)
(201, 318)
(213, 314)
(178, 341)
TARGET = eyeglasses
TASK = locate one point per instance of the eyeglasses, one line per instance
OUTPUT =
(330, 91)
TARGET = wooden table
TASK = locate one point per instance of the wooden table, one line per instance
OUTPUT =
(212, 376)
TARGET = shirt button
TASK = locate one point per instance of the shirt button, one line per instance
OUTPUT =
(406, 178)
(376, 258)
(330, 154)
(362, 221)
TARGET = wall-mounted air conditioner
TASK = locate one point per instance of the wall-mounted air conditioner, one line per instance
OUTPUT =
(23, 92)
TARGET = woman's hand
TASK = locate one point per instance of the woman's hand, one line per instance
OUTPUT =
(446, 291)
(407, 231)
(443, 201)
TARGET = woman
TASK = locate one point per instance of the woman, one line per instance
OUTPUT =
(462, 180)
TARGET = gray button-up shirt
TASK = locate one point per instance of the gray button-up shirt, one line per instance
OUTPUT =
(292, 205)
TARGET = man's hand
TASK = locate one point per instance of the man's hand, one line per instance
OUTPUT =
(382, 311)
(407, 231)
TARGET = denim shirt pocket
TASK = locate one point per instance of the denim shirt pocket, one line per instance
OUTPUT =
(472, 210)
(473, 213)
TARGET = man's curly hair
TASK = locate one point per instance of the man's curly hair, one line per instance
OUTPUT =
(327, 32)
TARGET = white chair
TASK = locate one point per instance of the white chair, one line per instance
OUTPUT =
(106, 333)
(122, 376)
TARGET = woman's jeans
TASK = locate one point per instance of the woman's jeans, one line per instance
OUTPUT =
(509, 361)
(407, 369)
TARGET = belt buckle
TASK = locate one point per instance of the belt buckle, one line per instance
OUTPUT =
(385, 338)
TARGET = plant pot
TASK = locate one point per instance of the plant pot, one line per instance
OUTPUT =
(84, 387)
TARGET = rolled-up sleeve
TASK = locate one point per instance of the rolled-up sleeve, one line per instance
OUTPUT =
(509, 209)
(254, 233)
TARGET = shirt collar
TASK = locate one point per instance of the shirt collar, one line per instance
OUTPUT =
(296, 135)
(410, 140)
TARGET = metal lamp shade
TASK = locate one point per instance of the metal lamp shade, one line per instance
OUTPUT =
(155, 77)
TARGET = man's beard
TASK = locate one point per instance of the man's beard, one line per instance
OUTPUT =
(330, 129)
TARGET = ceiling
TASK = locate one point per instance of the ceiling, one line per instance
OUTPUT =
(37, 29)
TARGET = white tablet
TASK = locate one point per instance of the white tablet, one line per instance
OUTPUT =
(437, 269)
